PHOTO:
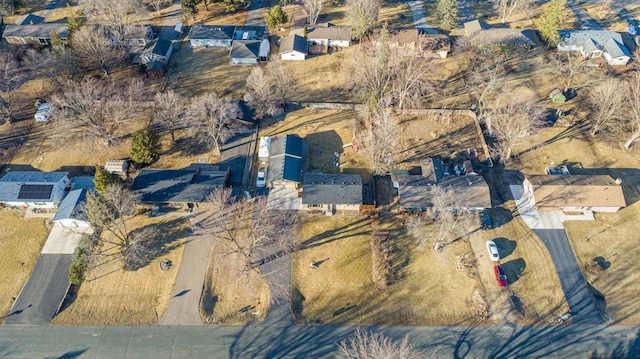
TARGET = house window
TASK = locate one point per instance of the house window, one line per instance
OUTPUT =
(315, 206)
(43, 41)
(39, 203)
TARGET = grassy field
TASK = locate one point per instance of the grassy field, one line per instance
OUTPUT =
(20, 241)
(113, 296)
(427, 289)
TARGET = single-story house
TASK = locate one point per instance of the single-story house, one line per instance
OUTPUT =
(189, 186)
(293, 47)
(71, 212)
(250, 33)
(414, 42)
(329, 35)
(598, 193)
(481, 34)
(161, 52)
(594, 44)
(332, 193)
(33, 189)
(246, 52)
(31, 29)
(285, 161)
(211, 35)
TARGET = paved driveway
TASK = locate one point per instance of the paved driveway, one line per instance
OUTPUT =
(254, 14)
(586, 21)
(419, 17)
(235, 153)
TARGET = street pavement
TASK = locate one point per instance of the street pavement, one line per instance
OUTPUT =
(43, 293)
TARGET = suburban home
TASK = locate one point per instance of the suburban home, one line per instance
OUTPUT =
(71, 212)
(160, 52)
(595, 44)
(248, 52)
(31, 29)
(324, 36)
(293, 47)
(189, 186)
(414, 42)
(576, 193)
(482, 34)
(250, 33)
(33, 189)
(285, 161)
(332, 193)
(469, 189)
(211, 35)
(138, 36)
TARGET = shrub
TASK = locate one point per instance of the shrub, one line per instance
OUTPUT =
(145, 146)
(276, 17)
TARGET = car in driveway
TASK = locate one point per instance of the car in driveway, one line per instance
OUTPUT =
(501, 276)
(261, 180)
(492, 248)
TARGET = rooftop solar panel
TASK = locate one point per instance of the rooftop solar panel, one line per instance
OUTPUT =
(35, 191)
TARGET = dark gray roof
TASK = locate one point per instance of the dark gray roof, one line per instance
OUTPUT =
(162, 47)
(318, 188)
(473, 26)
(29, 19)
(293, 43)
(255, 32)
(414, 191)
(177, 186)
(245, 49)
(33, 176)
(285, 158)
(29, 186)
(590, 40)
(72, 206)
(212, 32)
(330, 32)
(38, 31)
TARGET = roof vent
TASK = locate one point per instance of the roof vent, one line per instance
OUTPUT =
(618, 180)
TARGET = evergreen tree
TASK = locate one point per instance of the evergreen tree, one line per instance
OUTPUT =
(102, 179)
(189, 8)
(145, 147)
(56, 41)
(551, 21)
(276, 17)
(305, 31)
(447, 13)
(74, 21)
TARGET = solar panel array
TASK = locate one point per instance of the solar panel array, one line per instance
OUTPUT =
(35, 191)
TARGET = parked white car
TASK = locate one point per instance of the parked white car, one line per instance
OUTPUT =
(261, 181)
(493, 251)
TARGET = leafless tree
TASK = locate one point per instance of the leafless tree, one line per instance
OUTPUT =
(379, 137)
(604, 7)
(484, 79)
(568, 64)
(606, 100)
(95, 109)
(95, 51)
(508, 7)
(512, 121)
(58, 65)
(411, 82)
(120, 17)
(214, 117)
(363, 16)
(633, 110)
(364, 344)
(281, 80)
(260, 93)
(157, 5)
(169, 111)
(11, 76)
(312, 9)
(373, 71)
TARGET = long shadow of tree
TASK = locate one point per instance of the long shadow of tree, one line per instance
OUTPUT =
(164, 238)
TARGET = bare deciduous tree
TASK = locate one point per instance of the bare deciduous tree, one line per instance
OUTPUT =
(633, 110)
(95, 109)
(157, 5)
(169, 111)
(214, 117)
(373, 73)
(120, 17)
(411, 83)
(11, 76)
(281, 80)
(484, 79)
(364, 344)
(568, 64)
(95, 51)
(58, 65)
(380, 139)
(507, 8)
(606, 100)
(312, 9)
(363, 16)
(260, 94)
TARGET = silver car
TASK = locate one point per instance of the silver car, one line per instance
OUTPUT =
(261, 181)
(493, 251)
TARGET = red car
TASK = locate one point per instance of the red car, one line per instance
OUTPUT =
(501, 276)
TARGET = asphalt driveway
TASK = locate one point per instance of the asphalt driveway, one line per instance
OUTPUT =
(236, 155)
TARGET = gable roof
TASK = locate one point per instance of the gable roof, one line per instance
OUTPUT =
(285, 158)
(253, 32)
(162, 47)
(29, 19)
(29, 186)
(329, 31)
(576, 191)
(321, 188)
(590, 40)
(473, 26)
(177, 186)
(501, 36)
(38, 31)
(72, 206)
(245, 49)
(293, 43)
(414, 191)
(212, 32)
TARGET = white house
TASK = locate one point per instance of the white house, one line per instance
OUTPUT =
(33, 189)
(595, 43)
(329, 35)
(71, 212)
(294, 48)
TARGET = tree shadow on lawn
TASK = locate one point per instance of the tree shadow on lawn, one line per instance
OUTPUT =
(505, 246)
(514, 269)
(188, 146)
(165, 239)
(351, 229)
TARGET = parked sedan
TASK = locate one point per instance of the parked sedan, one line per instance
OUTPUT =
(493, 251)
(261, 181)
(501, 276)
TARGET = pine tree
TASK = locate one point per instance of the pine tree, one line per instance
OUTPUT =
(189, 8)
(145, 146)
(305, 31)
(447, 13)
(56, 41)
(276, 17)
(74, 21)
(102, 179)
(551, 21)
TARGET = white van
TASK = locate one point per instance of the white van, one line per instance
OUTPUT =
(44, 113)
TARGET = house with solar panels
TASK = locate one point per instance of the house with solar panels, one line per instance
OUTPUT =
(33, 189)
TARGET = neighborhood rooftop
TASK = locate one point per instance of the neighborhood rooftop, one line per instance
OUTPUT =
(223, 32)
(576, 190)
(285, 158)
(177, 186)
(293, 43)
(590, 40)
(321, 188)
(414, 191)
(329, 31)
(72, 206)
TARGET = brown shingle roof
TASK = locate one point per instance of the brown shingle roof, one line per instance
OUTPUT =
(576, 191)
(415, 191)
(330, 32)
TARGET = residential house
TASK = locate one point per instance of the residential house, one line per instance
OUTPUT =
(293, 47)
(211, 35)
(72, 213)
(414, 42)
(250, 33)
(33, 189)
(598, 193)
(31, 29)
(248, 52)
(285, 161)
(595, 44)
(481, 34)
(157, 59)
(321, 37)
(332, 193)
(189, 186)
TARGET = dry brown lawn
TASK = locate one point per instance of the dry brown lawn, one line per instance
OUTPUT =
(113, 296)
(20, 243)
(428, 288)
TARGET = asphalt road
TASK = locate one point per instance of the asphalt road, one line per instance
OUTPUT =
(578, 295)
(255, 341)
(43, 293)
